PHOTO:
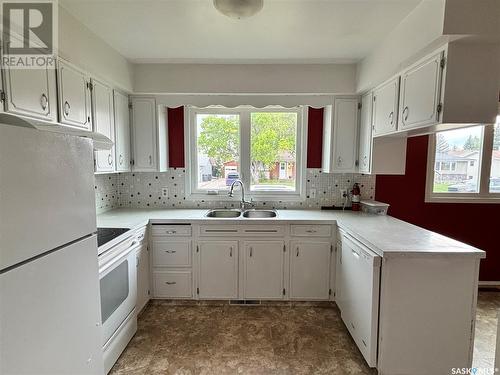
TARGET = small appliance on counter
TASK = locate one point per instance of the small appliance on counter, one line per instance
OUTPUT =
(374, 207)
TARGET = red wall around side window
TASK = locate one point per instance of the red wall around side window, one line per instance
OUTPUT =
(175, 118)
(474, 224)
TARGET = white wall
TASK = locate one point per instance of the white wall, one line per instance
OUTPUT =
(422, 27)
(85, 49)
(243, 78)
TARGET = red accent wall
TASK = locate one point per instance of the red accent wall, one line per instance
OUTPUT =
(315, 137)
(475, 224)
(175, 118)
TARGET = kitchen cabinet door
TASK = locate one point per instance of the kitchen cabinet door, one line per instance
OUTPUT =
(74, 96)
(365, 133)
(31, 92)
(144, 134)
(122, 131)
(345, 135)
(310, 270)
(420, 93)
(264, 270)
(143, 290)
(218, 269)
(338, 274)
(102, 113)
(385, 107)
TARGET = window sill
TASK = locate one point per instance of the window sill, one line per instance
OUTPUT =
(462, 199)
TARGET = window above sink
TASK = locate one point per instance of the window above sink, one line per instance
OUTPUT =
(260, 147)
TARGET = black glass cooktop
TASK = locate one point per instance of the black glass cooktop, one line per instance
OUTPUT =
(104, 235)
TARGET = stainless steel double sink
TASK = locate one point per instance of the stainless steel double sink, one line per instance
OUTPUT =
(234, 214)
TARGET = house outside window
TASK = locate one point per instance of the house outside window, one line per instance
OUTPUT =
(464, 165)
(261, 147)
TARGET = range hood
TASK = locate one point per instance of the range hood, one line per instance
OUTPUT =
(101, 142)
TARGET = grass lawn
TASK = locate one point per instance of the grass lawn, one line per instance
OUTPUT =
(441, 188)
(277, 182)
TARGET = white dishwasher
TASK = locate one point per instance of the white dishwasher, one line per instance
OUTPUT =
(360, 295)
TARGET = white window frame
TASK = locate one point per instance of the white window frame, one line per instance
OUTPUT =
(192, 191)
(484, 167)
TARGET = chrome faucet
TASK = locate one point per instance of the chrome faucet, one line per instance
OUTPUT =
(243, 203)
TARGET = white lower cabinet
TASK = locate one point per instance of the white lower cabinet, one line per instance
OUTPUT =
(142, 276)
(310, 270)
(264, 269)
(173, 284)
(218, 269)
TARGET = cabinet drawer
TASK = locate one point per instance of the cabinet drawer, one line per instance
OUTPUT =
(171, 230)
(172, 284)
(219, 230)
(263, 230)
(171, 253)
(311, 230)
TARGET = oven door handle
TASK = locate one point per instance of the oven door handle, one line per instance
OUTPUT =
(117, 259)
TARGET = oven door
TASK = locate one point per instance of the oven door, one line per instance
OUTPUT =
(118, 285)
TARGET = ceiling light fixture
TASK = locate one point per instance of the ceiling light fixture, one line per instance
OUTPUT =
(239, 8)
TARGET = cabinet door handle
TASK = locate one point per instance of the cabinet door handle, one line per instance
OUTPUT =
(365, 158)
(251, 252)
(150, 160)
(405, 113)
(297, 251)
(171, 232)
(110, 159)
(231, 251)
(140, 237)
(170, 251)
(44, 101)
(311, 231)
(120, 159)
(391, 117)
(170, 282)
(67, 107)
(339, 161)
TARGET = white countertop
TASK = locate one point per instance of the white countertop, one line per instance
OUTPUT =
(385, 235)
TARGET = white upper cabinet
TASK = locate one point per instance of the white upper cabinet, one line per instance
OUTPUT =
(340, 136)
(365, 133)
(385, 107)
(74, 96)
(264, 267)
(31, 92)
(218, 269)
(122, 132)
(102, 113)
(144, 134)
(310, 270)
(420, 93)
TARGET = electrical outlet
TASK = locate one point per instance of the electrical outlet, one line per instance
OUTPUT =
(343, 193)
(312, 193)
(164, 192)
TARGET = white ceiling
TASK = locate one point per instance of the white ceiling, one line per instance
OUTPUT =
(285, 31)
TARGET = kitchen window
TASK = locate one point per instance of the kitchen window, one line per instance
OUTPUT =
(464, 165)
(261, 147)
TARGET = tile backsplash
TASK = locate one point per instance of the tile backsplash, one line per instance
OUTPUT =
(143, 190)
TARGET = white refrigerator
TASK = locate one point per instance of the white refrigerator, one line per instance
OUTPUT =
(49, 280)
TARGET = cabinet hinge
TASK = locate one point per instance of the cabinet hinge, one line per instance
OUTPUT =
(442, 63)
(130, 105)
(284, 291)
(331, 249)
(197, 249)
(374, 98)
(197, 290)
(90, 86)
(132, 162)
(439, 108)
(284, 248)
(149, 292)
(356, 163)
(329, 292)
(360, 105)
(95, 163)
(2, 95)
